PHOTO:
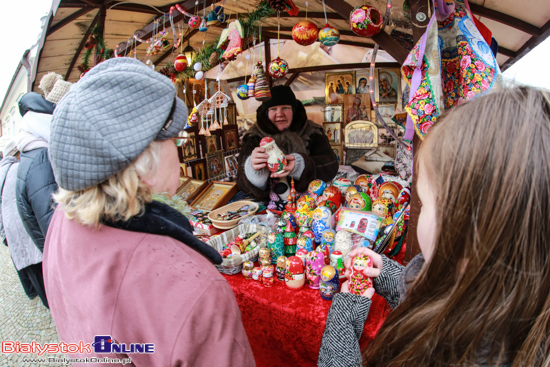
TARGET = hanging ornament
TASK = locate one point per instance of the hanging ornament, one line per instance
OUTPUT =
(242, 92)
(251, 86)
(203, 27)
(329, 36)
(212, 18)
(284, 5)
(199, 75)
(214, 59)
(197, 66)
(305, 32)
(233, 33)
(261, 92)
(194, 22)
(220, 14)
(180, 63)
(277, 68)
(365, 21)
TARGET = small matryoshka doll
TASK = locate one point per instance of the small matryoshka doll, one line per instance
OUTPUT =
(328, 239)
(257, 273)
(316, 188)
(248, 266)
(302, 254)
(294, 273)
(281, 267)
(265, 257)
(350, 191)
(343, 243)
(267, 276)
(342, 184)
(281, 225)
(333, 194)
(290, 240)
(276, 244)
(305, 241)
(330, 282)
(384, 208)
(289, 217)
(303, 219)
(389, 190)
(404, 198)
(322, 219)
(358, 281)
(314, 264)
(368, 185)
(360, 201)
(276, 161)
(337, 261)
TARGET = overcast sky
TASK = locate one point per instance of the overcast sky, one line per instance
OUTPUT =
(19, 35)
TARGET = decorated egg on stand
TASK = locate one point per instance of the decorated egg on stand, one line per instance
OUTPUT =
(180, 63)
(322, 219)
(277, 68)
(305, 32)
(330, 282)
(360, 201)
(365, 21)
(194, 22)
(329, 36)
(276, 161)
(294, 273)
(316, 188)
(314, 265)
(342, 184)
(242, 92)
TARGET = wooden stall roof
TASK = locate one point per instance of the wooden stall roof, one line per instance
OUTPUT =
(518, 26)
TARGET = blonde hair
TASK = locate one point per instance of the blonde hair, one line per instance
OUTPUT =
(121, 197)
(484, 297)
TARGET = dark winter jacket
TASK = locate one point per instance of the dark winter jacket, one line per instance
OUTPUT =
(303, 138)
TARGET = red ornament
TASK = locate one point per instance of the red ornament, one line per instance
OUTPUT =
(365, 21)
(305, 33)
(180, 63)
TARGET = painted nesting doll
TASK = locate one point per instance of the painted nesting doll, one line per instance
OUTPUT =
(389, 190)
(327, 243)
(359, 282)
(302, 254)
(322, 219)
(337, 261)
(267, 276)
(264, 257)
(342, 184)
(329, 204)
(330, 282)
(305, 241)
(306, 203)
(281, 268)
(350, 191)
(289, 240)
(302, 219)
(333, 194)
(368, 185)
(343, 242)
(384, 208)
(360, 201)
(294, 273)
(289, 217)
(314, 264)
(248, 266)
(403, 199)
(276, 244)
(316, 188)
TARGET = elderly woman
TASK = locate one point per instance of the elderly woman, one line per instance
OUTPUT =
(119, 268)
(304, 142)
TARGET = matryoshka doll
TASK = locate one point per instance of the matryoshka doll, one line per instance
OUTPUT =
(294, 273)
(329, 204)
(358, 281)
(248, 266)
(332, 193)
(276, 161)
(276, 245)
(327, 243)
(305, 241)
(389, 190)
(403, 199)
(267, 276)
(337, 261)
(314, 264)
(322, 219)
(289, 217)
(350, 191)
(281, 267)
(368, 185)
(342, 184)
(316, 188)
(302, 254)
(306, 203)
(360, 201)
(384, 208)
(330, 282)
(290, 240)
(302, 219)
(265, 257)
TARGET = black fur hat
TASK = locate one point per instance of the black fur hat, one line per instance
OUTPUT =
(280, 95)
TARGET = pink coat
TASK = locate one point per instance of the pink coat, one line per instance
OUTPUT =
(141, 288)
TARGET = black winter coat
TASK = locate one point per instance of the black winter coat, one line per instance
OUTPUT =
(34, 188)
(303, 137)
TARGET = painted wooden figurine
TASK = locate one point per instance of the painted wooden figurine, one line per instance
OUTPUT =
(276, 244)
(342, 184)
(248, 266)
(343, 243)
(314, 264)
(337, 261)
(384, 207)
(267, 276)
(358, 281)
(322, 219)
(264, 257)
(360, 201)
(316, 188)
(302, 254)
(281, 267)
(327, 243)
(305, 241)
(276, 161)
(330, 282)
(294, 273)
(333, 194)
(290, 240)
(350, 191)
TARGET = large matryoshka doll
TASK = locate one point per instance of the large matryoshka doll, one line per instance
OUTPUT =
(384, 208)
(330, 282)
(389, 190)
(305, 241)
(322, 219)
(332, 193)
(358, 281)
(360, 201)
(350, 191)
(294, 273)
(276, 161)
(368, 185)
(342, 184)
(276, 244)
(314, 264)
(316, 188)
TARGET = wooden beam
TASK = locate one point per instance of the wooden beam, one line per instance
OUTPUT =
(386, 41)
(289, 29)
(343, 42)
(63, 22)
(81, 45)
(528, 46)
(506, 52)
(310, 14)
(171, 50)
(505, 19)
(291, 79)
(267, 50)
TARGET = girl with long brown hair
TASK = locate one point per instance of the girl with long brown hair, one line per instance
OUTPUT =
(482, 297)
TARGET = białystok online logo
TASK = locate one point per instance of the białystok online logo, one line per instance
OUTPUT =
(102, 344)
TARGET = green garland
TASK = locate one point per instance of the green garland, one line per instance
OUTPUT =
(99, 47)
(249, 28)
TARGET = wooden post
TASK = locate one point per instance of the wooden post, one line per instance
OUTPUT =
(267, 53)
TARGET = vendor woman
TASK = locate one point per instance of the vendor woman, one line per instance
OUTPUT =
(304, 143)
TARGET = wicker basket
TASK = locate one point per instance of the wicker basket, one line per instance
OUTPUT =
(234, 265)
(228, 224)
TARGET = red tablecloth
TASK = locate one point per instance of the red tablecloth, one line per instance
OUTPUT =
(285, 327)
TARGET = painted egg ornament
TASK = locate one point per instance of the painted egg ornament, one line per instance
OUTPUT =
(194, 22)
(242, 92)
(277, 68)
(204, 25)
(197, 66)
(329, 36)
(365, 21)
(305, 32)
(199, 75)
(180, 63)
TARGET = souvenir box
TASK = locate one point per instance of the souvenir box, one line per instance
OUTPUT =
(216, 194)
(366, 224)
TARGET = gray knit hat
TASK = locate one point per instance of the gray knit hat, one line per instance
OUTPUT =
(108, 118)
